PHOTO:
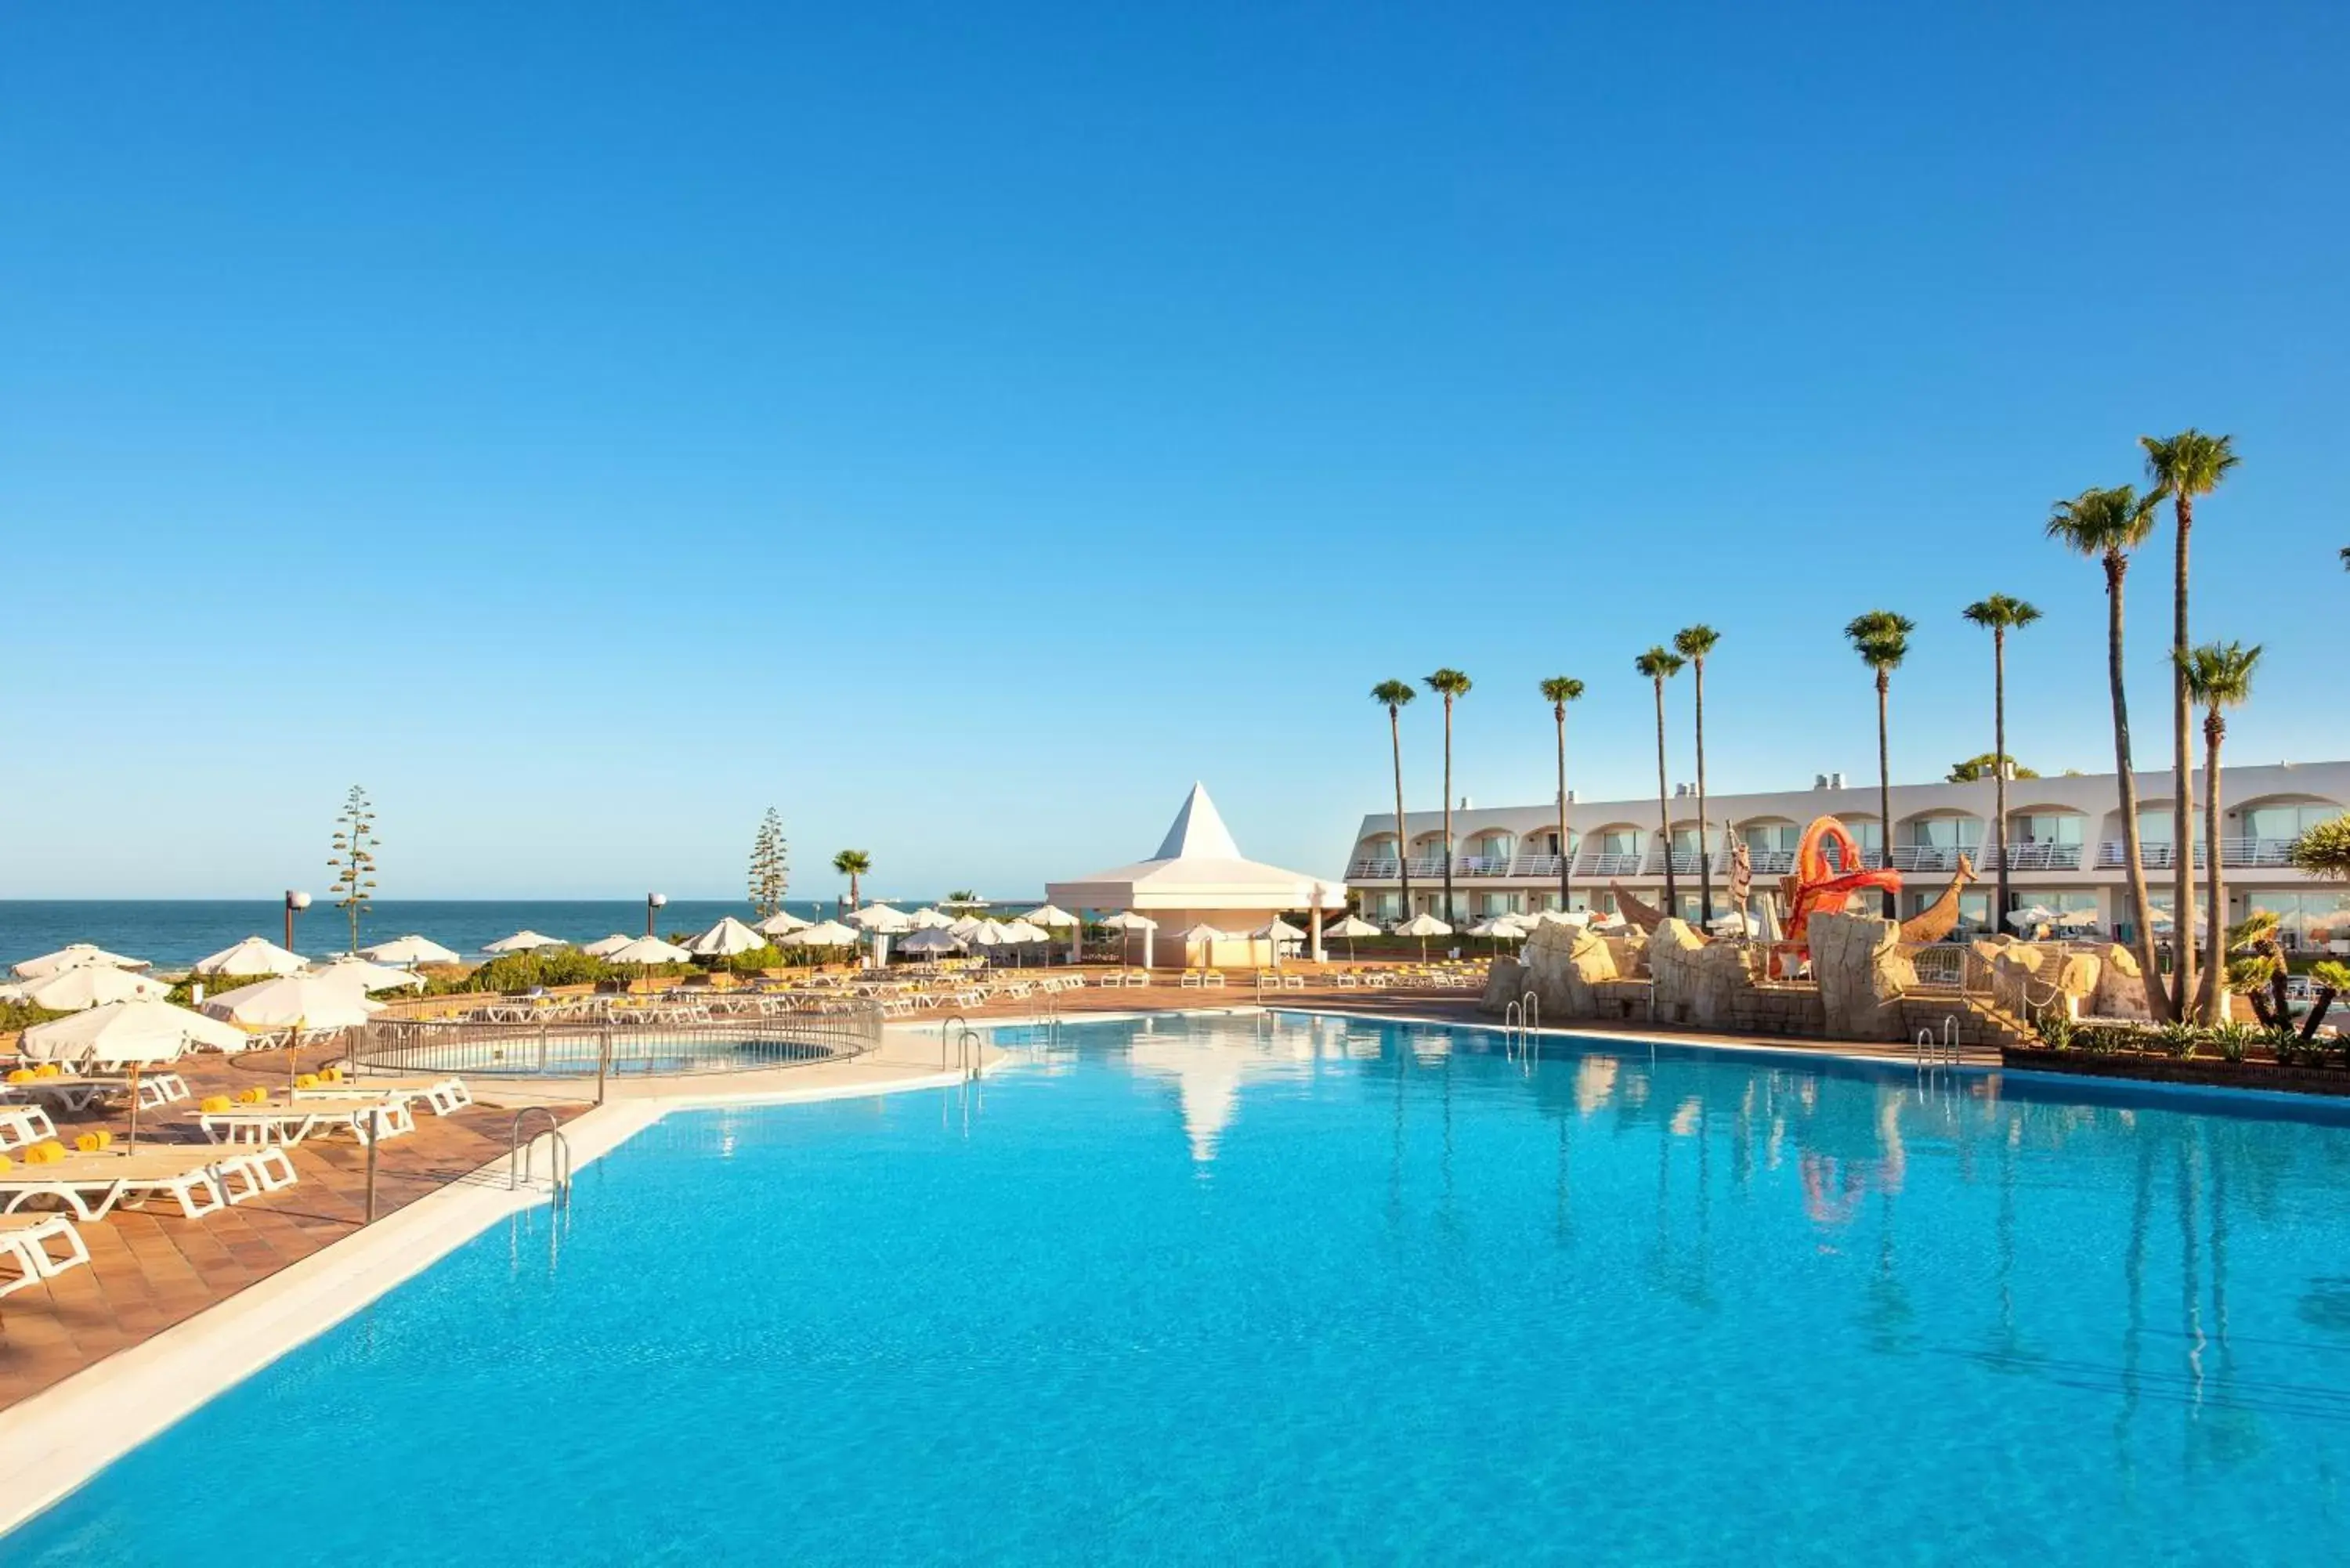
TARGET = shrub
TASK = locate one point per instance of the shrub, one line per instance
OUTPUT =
(2057, 1030)
(2233, 1039)
(2179, 1040)
(15, 1015)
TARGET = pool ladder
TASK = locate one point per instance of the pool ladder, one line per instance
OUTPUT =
(519, 1150)
(1937, 1053)
(965, 1042)
(1520, 1019)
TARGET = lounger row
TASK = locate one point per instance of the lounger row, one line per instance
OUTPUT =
(200, 1179)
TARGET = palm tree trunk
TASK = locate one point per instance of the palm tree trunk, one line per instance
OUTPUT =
(1884, 788)
(1448, 812)
(1999, 770)
(2209, 1001)
(1704, 853)
(1565, 856)
(1403, 846)
(2182, 772)
(2158, 1005)
(1664, 811)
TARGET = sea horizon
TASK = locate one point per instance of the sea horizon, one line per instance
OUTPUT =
(172, 933)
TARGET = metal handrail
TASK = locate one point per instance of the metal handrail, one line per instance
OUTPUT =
(559, 1157)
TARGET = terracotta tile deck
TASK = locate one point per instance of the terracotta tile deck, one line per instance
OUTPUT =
(151, 1268)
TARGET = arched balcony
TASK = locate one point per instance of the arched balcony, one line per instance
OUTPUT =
(2042, 838)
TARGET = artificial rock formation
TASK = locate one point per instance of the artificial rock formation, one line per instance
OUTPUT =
(2120, 990)
(1862, 975)
(1697, 981)
(1561, 965)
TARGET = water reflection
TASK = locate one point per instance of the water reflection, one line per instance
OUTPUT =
(2020, 1228)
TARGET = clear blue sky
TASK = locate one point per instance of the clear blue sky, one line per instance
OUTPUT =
(963, 426)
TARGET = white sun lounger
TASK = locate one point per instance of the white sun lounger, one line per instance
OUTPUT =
(364, 1117)
(199, 1179)
(23, 1125)
(27, 1241)
(442, 1094)
(78, 1092)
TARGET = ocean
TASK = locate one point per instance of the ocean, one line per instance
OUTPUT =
(174, 933)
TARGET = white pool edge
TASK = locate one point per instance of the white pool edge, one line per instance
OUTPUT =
(56, 1441)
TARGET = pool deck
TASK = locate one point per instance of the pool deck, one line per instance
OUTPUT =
(171, 1310)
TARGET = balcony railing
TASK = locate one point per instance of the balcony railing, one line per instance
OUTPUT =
(2232, 852)
(2033, 857)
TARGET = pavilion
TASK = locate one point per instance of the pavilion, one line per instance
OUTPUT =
(1199, 877)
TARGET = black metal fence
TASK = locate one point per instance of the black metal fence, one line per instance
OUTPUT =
(586, 1045)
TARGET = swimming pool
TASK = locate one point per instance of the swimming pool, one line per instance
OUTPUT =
(1312, 1288)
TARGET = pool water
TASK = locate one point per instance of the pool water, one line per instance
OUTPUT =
(1314, 1290)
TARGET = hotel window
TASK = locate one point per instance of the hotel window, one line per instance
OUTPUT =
(1771, 837)
(1945, 833)
(1684, 840)
(1871, 840)
(2154, 827)
(2048, 827)
(2306, 919)
(2286, 821)
(1620, 841)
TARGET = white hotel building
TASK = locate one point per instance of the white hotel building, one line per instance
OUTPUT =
(2064, 846)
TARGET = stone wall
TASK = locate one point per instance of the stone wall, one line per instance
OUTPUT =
(1862, 975)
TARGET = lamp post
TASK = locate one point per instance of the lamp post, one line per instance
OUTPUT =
(295, 904)
(653, 902)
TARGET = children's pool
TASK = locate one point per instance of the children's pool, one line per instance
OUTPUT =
(1318, 1290)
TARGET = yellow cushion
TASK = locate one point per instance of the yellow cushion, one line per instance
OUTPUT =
(91, 1142)
(20, 1075)
(48, 1152)
(252, 1096)
(332, 1076)
(48, 1069)
(306, 1081)
(7, 1164)
(214, 1103)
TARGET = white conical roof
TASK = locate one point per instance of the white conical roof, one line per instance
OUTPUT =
(1198, 831)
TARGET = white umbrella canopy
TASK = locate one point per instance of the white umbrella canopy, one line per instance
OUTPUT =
(309, 1001)
(1498, 926)
(1734, 924)
(931, 940)
(1560, 917)
(604, 946)
(1021, 932)
(781, 923)
(367, 976)
(1423, 924)
(826, 934)
(2074, 919)
(927, 919)
(967, 925)
(725, 939)
(646, 950)
(1351, 926)
(93, 985)
(75, 955)
(1204, 932)
(131, 1032)
(1129, 920)
(253, 956)
(1050, 916)
(522, 942)
(881, 917)
(1279, 931)
(410, 950)
(2033, 915)
(985, 934)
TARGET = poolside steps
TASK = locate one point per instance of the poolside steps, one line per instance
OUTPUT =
(1985, 1029)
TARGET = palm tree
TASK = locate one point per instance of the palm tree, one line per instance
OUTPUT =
(1660, 664)
(1882, 640)
(2324, 850)
(1693, 643)
(2000, 614)
(1395, 694)
(2106, 526)
(2183, 467)
(1451, 685)
(1558, 692)
(2218, 676)
(852, 864)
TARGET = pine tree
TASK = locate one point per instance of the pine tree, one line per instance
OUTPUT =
(353, 860)
(770, 865)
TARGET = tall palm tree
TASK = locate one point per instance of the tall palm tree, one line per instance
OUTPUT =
(852, 864)
(1882, 640)
(2218, 676)
(2106, 526)
(1693, 643)
(2183, 467)
(1660, 664)
(1451, 685)
(1394, 694)
(2000, 614)
(1558, 692)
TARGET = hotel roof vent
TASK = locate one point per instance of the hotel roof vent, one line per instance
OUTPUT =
(1819, 781)
(1835, 781)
